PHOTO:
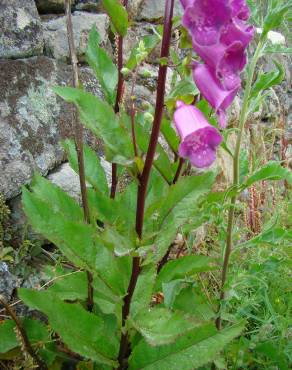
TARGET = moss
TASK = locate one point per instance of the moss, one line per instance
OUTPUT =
(4, 217)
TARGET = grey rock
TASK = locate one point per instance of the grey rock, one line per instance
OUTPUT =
(8, 281)
(55, 34)
(145, 87)
(65, 178)
(33, 119)
(153, 10)
(20, 29)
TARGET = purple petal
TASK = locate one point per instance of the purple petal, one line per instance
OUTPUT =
(232, 62)
(237, 30)
(240, 9)
(200, 146)
(199, 138)
(209, 86)
(186, 3)
(204, 19)
(188, 118)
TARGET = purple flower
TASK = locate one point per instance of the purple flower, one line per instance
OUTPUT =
(205, 19)
(186, 3)
(199, 139)
(237, 30)
(240, 9)
(220, 36)
(212, 90)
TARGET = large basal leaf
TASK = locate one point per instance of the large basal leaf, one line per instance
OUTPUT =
(99, 117)
(94, 172)
(82, 331)
(183, 267)
(58, 199)
(189, 352)
(36, 332)
(271, 171)
(161, 326)
(79, 242)
(105, 70)
(117, 14)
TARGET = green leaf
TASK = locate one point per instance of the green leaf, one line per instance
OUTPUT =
(189, 352)
(191, 300)
(271, 171)
(182, 91)
(267, 80)
(170, 135)
(175, 210)
(161, 326)
(275, 15)
(273, 236)
(81, 331)
(105, 70)
(144, 290)
(149, 42)
(74, 286)
(162, 162)
(117, 14)
(183, 267)
(36, 332)
(58, 199)
(80, 243)
(171, 290)
(118, 243)
(94, 172)
(274, 353)
(99, 117)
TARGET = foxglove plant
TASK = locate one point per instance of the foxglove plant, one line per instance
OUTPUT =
(123, 301)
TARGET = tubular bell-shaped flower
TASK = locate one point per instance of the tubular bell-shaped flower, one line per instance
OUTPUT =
(212, 90)
(199, 139)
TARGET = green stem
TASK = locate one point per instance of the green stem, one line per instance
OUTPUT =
(236, 167)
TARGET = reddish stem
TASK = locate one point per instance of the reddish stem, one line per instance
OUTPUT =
(144, 178)
(120, 44)
(178, 171)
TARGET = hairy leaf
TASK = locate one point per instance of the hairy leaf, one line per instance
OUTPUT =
(94, 172)
(195, 349)
(58, 199)
(81, 331)
(105, 70)
(183, 267)
(117, 14)
(271, 171)
(99, 117)
(36, 332)
(162, 326)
